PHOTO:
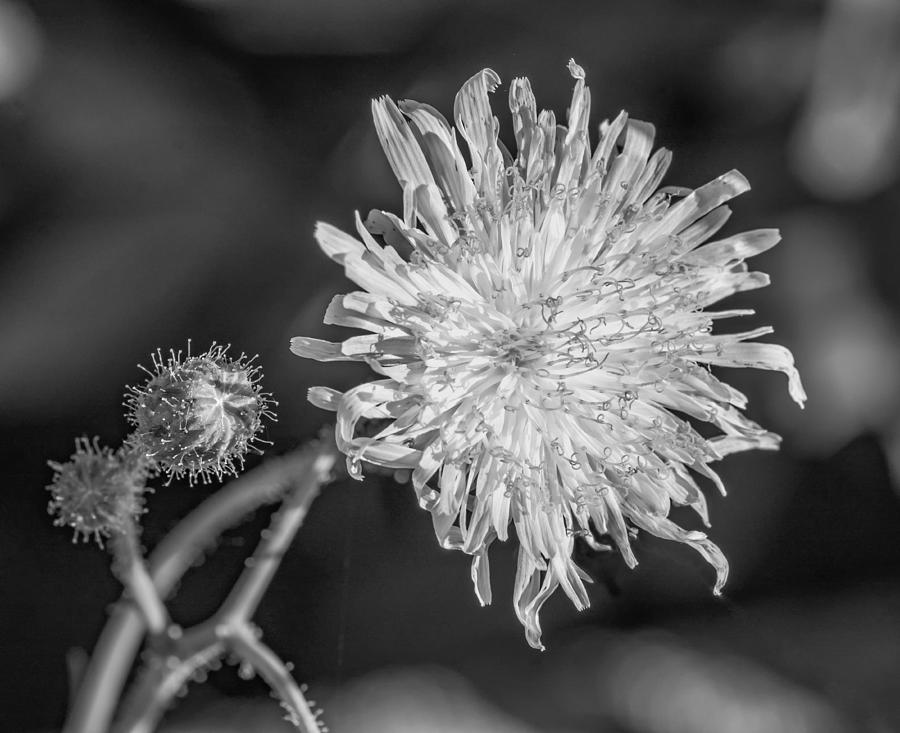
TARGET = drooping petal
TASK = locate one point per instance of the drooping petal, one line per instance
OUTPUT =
(760, 356)
(526, 591)
(481, 575)
(666, 529)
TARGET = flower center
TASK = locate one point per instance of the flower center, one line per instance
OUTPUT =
(516, 347)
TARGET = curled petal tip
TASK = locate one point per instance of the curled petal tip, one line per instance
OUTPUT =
(575, 70)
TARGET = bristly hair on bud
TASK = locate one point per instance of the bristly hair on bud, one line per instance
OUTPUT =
(98, 492)
(197, 416)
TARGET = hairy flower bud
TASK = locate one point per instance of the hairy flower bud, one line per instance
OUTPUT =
(198, 415)
(98, 492)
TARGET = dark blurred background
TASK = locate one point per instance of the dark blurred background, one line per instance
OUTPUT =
(163, 165)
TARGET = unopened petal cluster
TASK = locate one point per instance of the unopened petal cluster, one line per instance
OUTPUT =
(98, 492)
(544, 340)
(198, 415)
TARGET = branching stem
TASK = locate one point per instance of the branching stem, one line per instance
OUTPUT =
(130, 568)
(248, 647)
(248, 591)
(103, 681)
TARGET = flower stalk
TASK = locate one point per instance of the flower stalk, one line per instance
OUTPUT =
(300, 475)
(253, 582)
(129, 566)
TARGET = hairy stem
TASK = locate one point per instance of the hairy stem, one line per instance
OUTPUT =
(270, 667)
(120, 640)
(229, 628)
(129, 566)
(160, 685)
(155, 686)
(248, 591)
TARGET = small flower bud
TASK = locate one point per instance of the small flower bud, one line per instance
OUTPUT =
(98, 492)
(198, 415)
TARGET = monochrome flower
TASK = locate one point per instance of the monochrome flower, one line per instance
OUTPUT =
(198, 415)
(545, 344)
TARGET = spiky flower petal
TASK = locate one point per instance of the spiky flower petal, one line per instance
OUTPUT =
(546, 342)
(198, 415)
(98, 492)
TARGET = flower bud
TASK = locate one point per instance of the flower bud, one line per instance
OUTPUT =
(98, 492)
(198, 415)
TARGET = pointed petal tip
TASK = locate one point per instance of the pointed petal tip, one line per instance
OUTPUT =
(796, 390)
(481, 577)
(720, 583)
(618, 122)
(334, 242)
(720, 563)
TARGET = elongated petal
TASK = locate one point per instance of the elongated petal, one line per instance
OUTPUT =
(474, 118)
(760, 356)
(310, 348)
(734, 249)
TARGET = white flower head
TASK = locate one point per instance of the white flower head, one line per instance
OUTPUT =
(544, 343)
